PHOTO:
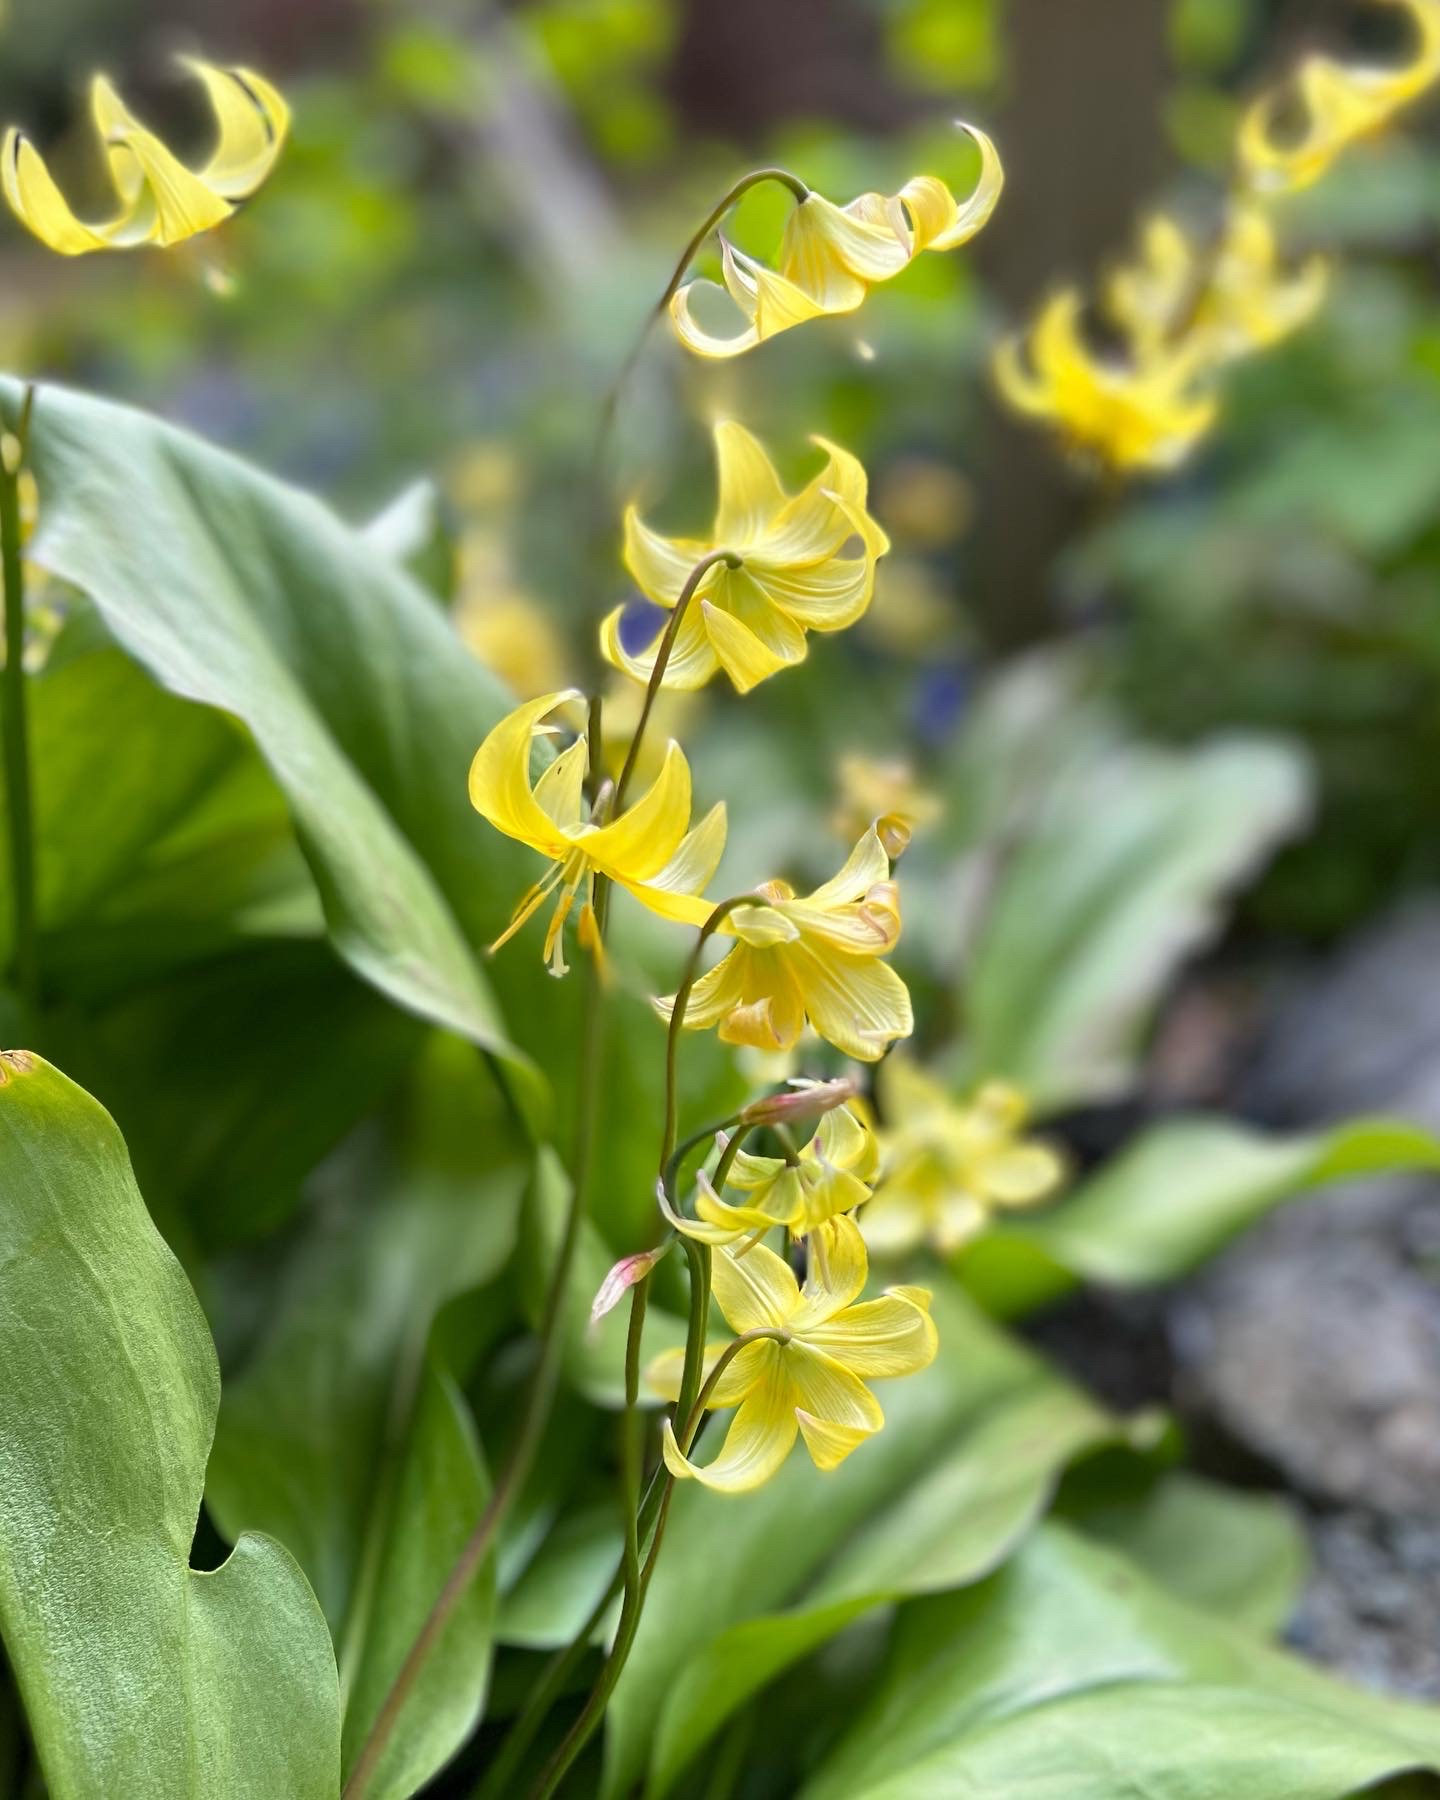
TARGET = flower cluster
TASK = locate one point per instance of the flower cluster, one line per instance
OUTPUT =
(1182, 311)
(774, 567)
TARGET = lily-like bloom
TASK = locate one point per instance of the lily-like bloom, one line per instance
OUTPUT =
(796, 569)
(1144, 412)
(948, 1166)
(1338, 103)
(831, 256)
(816, 959)
(809, 1378)
(161, 201)
(647, 850)
(887, 792)
(1224, 303)
(830, 1176)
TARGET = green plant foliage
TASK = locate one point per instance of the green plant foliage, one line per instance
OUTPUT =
(1069, 1673)
(1119, 876)
(140, 1675)
(345, 1433)
(251, 597)
(1174, 1197)
(968, 1458)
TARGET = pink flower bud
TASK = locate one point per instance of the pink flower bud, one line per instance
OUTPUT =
(806, 1100)
(627, 1273)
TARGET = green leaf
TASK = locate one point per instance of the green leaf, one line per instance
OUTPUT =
(1070, 1674)
(1240, 1555)
(252, 598)
(1117, 878)
(345, 1434)
(140, 1675)
(233, 1078)
(1175, 1197)
(414, 532)
(158, 836)
(966, 1463)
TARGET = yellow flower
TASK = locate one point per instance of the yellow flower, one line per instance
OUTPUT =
(161, 201)
(816, 959)
(947, 1166)
(794, 575)
(1338, 103)
(1145, 412)
(809, 1378)
(511, 634)
(647, 850)
(886, 791)
(831, 256)
(1225, 303)
(830, 1176)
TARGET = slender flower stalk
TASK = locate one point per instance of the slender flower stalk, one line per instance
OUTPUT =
(538, 1402)
(18, 793)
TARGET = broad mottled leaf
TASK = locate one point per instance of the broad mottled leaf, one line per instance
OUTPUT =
(251, 597)
(748, 1584)
(1070, 1676)
(1176, 1196)
(140, 1676)
(345, 1434)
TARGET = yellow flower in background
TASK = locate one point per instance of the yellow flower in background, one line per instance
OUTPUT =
(1338, 104)
(1224, 302)
(831, 256)
(161, 201)
(884, 790)
(816, 959)
(672, 713)
(511, 634)
(809, 1379)
(796, 572)
(829, 1176)
(948, 1165)
(1141, 413)
(648, 850)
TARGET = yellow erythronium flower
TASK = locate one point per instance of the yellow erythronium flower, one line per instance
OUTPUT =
(1339, 103)
(647, 849)
(161, 200)
(816, 958)
(831, 256)
(1144, 412)
(795, 573)
(948, 1165)
(830, 1176)
(809, 1378)
(887, 792)
(1224, 303)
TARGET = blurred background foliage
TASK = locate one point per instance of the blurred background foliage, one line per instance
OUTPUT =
(480, 203)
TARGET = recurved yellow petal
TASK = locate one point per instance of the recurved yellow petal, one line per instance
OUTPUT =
(759, 1439)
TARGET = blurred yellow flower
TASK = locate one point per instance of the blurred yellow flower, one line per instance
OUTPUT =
(829, 1176)
(1337, 104)
(647, 850)
(672, 713)
(1225, 302)
(948, 1165)
(794, 575)
(160, 200)
(510, 634)
(806, 1377)
(816, 959)
(831, 256)
(883, 790)
(1143, 412)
